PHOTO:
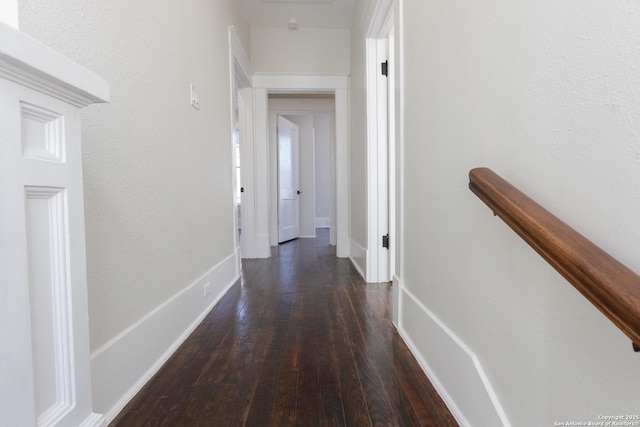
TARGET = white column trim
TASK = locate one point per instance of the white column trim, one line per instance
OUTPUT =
(43, 243)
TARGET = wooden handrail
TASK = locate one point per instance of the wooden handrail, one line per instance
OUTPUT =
(609, 285)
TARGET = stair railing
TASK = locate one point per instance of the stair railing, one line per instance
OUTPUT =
(609, 285)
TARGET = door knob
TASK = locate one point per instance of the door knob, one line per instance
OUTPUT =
(298, 191)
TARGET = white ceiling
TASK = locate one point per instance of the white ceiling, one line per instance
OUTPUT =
(333, 14)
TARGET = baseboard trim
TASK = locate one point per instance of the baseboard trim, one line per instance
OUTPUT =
(323, 222)
(121, 367)
(342, 245)
(263, 247)
(333, 236)
(396, 301)
(452, 367)
(358, 257)
(94, 420)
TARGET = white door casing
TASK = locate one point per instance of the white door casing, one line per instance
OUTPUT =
(378, 143)
(288, 83)
(241, 74)
(288, 180)
(384, 36)
(247, 205)
(293, 109)
(381, 143)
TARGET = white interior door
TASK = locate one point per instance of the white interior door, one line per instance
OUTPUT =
(288, 181)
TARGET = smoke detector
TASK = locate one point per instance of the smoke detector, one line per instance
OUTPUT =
(292, 23)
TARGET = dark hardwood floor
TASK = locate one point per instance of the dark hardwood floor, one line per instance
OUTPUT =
(302, 340)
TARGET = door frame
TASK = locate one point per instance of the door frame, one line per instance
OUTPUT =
(298, 83)
(386, 22)
(381, 146)
(297, 107)
(241, 74)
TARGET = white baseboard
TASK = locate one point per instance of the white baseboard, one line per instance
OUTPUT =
(358, 256)
(263, 249)
(396, 308)
(342, 245)
(238, 261)
(94, 420)
(123, 366)
(323, 222)
(452, 367)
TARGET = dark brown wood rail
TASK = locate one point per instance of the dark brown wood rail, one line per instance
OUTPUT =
(609, 285)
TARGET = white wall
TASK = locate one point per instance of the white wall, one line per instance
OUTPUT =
(283, 50)
(307, 173)
(157, 172)
(324, 139)
(358, 152)
(546, 94)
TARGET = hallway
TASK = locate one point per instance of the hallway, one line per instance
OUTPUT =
(302, 340)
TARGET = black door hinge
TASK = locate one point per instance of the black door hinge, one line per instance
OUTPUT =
(385, 68)
(385, 241)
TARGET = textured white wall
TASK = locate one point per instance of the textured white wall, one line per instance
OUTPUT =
(300, 51)
(546, 94)
(358, 141)
(157, 172)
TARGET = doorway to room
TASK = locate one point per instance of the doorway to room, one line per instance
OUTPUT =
(314, 118)
(267, 87)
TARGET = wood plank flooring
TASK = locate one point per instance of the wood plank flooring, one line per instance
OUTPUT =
(301, 340)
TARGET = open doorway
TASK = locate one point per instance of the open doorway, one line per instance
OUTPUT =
(242, 148)
(314, 116)
(335, 87)
(242, 160)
